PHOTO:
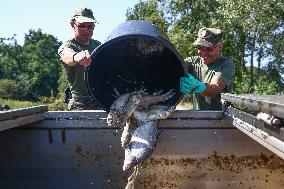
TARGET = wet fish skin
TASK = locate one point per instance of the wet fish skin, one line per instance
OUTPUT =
(143, 107)
(125, 105)
(142, 144)
(126, 135)
(154, 112)
(151, 99)
(144, 138)
(122, 108)
(160, 112)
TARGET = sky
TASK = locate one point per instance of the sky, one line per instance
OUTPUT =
(53, 17)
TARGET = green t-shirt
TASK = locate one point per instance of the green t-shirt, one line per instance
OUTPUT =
(75, 74)
(222, 67)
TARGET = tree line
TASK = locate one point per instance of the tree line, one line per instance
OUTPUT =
(30, 71)
(252, 37)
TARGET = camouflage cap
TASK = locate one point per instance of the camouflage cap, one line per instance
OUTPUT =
(208, 37)
(83, 14)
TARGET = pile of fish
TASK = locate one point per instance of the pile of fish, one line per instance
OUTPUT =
(139, 139)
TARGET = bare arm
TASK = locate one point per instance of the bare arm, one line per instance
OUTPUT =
(72, 58)
(214, 87)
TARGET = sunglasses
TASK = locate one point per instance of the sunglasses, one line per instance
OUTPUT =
(206, 49)
(89, 27)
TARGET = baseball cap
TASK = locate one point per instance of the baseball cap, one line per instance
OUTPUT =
(83, 14)
(208, 37)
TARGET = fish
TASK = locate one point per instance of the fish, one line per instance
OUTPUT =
(156, 112)
(144, 139)
(142, 144)
(125, 105)
(126, 134)
(122, 108)
(147, 99)
(146, 109)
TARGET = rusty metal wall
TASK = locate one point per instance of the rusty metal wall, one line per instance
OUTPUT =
(188, 156)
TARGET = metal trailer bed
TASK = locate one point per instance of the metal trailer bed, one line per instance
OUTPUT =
(197, 149)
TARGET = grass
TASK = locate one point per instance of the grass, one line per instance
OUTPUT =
(54, 104)
(14, 104)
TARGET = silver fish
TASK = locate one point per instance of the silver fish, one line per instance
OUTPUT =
(144, 138)
(125, 105)
(122, 108)
(126, 134)
(155, 112)
(148, 99)
(145, 109)
(142, 144)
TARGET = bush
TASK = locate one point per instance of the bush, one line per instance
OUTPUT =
(265, 85)
(54, 103)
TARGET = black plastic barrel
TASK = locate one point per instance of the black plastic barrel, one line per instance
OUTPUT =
(136, 55)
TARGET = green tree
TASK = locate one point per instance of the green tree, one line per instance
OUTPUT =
(148, 11)
(186, 18)
(42, 66)
(252, 35)
(10, 58)
(11, 68)
(257, 23)
(33, 68)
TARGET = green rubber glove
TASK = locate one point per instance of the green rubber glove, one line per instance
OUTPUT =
(189, 84)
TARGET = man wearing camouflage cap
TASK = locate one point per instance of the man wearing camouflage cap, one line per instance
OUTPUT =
(210, 74)
(76, 56)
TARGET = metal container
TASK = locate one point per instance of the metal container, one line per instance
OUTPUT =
(135, 56)
(74, 150)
